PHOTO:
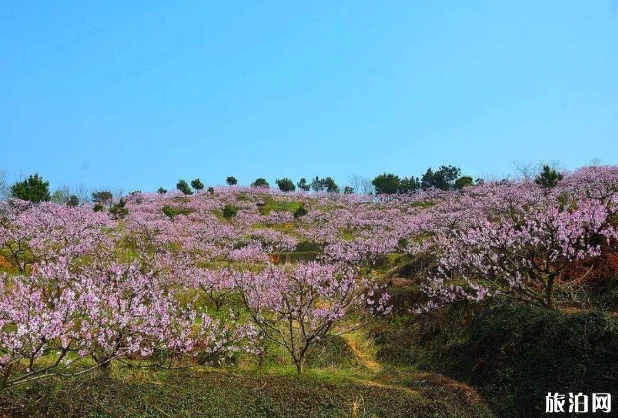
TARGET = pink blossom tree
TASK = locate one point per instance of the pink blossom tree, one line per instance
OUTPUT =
(296, 307)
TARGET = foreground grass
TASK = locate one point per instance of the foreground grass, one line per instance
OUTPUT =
(218, 393)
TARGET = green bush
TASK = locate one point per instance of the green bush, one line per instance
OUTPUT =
(307, 246)
(229, 211)
(119, 210)
(513, 355)
(516, 354)
(301, 211)
(169, 211)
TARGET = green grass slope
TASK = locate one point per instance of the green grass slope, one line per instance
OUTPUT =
(216, 393)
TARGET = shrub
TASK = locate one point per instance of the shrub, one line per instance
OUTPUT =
(229, 211)
(73, 201)
(463, 181)
(515, 354)
(301, 211)
(169, 211)
(119, 210)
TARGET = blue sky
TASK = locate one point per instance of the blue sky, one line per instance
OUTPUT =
(141, 93)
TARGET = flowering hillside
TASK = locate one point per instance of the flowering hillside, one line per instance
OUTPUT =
(165, 279)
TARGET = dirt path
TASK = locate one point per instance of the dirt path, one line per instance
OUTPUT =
(372, 365)
(366, 360)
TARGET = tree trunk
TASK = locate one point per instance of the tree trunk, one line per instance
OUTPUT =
(299, 365)
(551, 304)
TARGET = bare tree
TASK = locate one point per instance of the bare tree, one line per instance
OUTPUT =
(82, 193)
(360, 184)
(354, 180)
(4, 189)
(366, 186)
(118, 192)
(529, 170)
(62, 194)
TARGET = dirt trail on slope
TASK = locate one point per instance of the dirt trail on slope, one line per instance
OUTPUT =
(364, 358)
(371, 364)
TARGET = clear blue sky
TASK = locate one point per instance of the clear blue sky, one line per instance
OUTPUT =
(141, 93)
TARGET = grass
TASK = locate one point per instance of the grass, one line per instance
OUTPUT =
(271, 204)
(204, 392)
(342, 379)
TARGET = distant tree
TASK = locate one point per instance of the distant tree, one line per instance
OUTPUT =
(102, 197)
(229, 211)
(302, 185)
(326, 184)
(183, 186)
(98, 207)
(386, 183)
(231, 181)
(161, 190)
(260, 182)
(355, 182)
(59, 197)
(529, 171)
(548, 178)
(348, 190)
(526, 170)
(63, 196)
(82, 193)
(285, 185)
(118, 192)
(409, 184)
(463, 181)
(73, 201)
(211, 190)
(197, 184)
(330, 185)
(317, 184)
(33, 189)
(444, 178)
(360, 184)
(427, 180)
(366, 188)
